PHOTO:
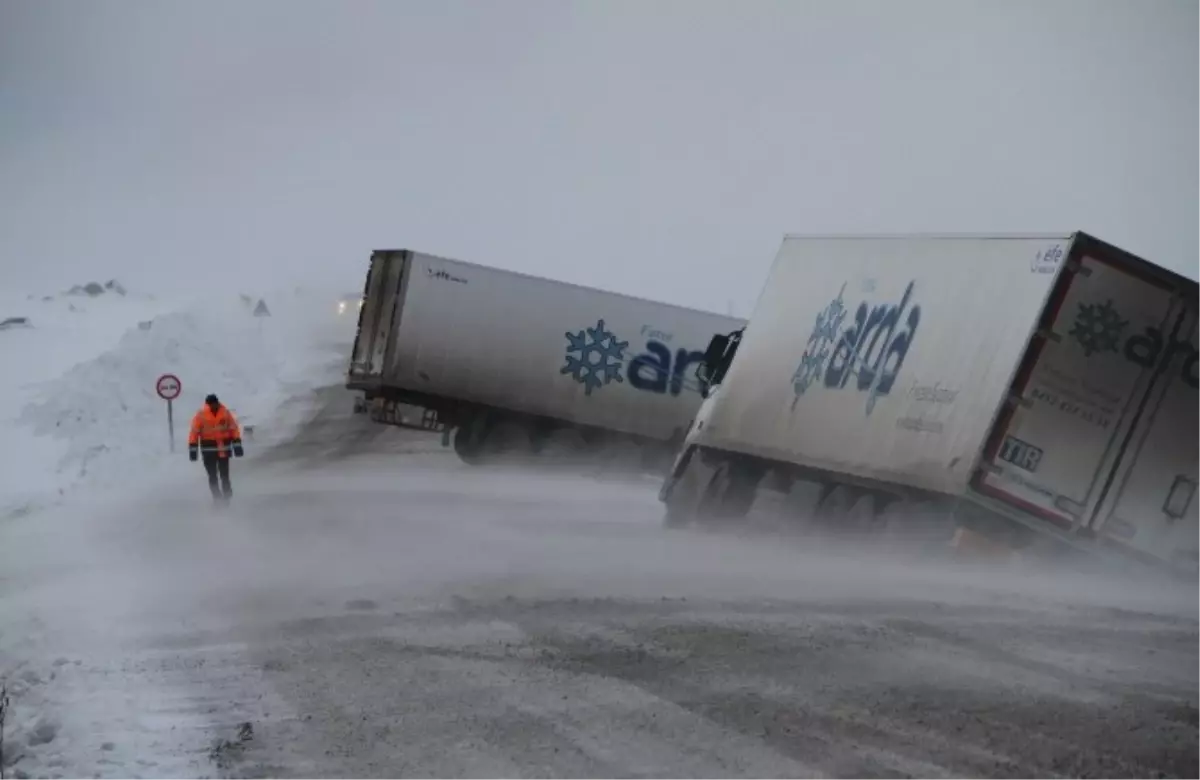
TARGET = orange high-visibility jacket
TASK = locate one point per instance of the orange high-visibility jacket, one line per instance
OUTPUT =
(214, 432)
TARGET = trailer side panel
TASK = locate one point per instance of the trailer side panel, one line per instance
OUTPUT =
(543, 348)
(884, 358)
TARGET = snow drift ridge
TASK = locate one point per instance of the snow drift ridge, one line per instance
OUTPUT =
(111, 426)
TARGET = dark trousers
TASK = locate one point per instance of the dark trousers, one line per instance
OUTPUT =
(217, 468)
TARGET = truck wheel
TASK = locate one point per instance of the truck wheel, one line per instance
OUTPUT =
(730, 492)
(862, 516)
(467, 446)
(676, 517)
(563, 444)
(833, 509)
(679, 492)
(508, 437)
(471, 439)
(802, 502)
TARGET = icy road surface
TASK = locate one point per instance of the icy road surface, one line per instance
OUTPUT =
(395, 613)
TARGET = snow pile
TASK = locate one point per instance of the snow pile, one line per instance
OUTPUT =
(54, 334)
(98, 421)
(57, 332)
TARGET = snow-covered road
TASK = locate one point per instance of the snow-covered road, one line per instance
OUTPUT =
(383, 610)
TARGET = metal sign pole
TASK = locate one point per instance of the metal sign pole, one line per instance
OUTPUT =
(171, 423)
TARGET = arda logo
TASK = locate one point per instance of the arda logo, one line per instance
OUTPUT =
(1099, 328)
(869, 350)
(661, 370)
(596, 357)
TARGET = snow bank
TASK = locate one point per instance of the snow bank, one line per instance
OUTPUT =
(82, 424)
(90, 416)
(58, 332)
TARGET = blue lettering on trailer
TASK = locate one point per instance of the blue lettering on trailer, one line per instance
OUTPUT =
(596, 357)
(1099, 328)
(659, 370)
(870, 349)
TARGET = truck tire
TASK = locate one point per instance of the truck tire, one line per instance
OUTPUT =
(851, 511)
(801, 503)
(562, 444)
(833, 508)
(730, 491)
(507, 437)
(467, 446)
(675, 517)
(680, 490)
(471, 437)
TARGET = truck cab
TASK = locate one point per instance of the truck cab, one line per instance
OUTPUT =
(710, 372)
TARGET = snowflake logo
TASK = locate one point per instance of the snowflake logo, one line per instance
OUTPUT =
(1098, 327)
(599, 359)
(816, 353)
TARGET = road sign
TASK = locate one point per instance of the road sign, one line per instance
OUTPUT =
(168, 387)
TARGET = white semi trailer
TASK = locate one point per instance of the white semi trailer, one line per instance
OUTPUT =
(508, 362)
(1044, 386)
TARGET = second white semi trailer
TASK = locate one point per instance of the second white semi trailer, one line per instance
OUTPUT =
(504, 361)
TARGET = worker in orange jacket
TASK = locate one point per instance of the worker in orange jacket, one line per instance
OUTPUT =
(215, 434)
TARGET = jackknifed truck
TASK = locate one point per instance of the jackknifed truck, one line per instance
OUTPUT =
(1038, 388)
(505, 363)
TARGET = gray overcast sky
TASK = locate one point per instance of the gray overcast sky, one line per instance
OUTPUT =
(653, 147)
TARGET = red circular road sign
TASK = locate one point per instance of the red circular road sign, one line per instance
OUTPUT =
(168, 387)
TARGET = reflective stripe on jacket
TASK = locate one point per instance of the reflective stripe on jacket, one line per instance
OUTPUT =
(213, 432)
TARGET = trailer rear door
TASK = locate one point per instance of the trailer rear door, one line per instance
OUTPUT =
(1078, 393)
(1151, 506)
(381, 303)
